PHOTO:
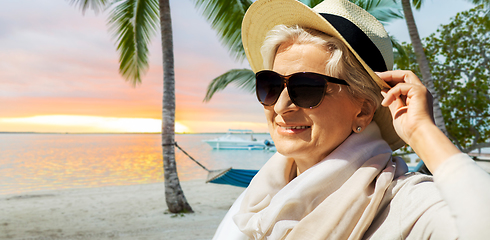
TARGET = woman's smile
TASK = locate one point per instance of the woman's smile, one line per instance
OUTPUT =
(291, 129)
(308, 134)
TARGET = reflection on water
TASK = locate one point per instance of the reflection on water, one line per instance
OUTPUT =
(30, 162)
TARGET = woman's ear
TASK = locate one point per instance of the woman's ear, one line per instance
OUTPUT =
(364, 116)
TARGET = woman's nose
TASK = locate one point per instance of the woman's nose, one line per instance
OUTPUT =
(284, 103)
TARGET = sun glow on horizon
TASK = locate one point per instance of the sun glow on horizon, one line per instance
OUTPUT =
(83, 124)
(181, 128)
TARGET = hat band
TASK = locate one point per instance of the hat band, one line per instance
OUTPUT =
(359, 41)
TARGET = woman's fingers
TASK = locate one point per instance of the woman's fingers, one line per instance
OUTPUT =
(407, 88)
(410, 104)
(401, 94)
(408, 100)
(399, 76)
(393, 101)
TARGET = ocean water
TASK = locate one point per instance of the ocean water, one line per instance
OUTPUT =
(32, 162)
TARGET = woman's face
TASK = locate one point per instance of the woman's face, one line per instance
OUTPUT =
(309, 135)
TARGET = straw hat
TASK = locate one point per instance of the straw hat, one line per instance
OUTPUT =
(363, 34)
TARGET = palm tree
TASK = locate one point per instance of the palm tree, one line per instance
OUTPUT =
(174, 195)
(134, 22)
(229, 31)
(226, 18)
(422, 60)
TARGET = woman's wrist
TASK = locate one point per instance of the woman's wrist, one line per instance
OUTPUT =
(432, 146)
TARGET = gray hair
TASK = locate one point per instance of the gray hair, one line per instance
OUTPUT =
(349, 69)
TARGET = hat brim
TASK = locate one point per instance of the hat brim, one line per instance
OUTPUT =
(291, 12)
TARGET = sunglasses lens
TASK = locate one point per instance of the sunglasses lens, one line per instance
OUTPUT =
(269, 86)
(306, 89)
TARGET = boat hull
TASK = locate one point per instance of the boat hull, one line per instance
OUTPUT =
(245, 145)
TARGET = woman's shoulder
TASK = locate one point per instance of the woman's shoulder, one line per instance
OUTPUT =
(413, 191)
(420, 206)
(413, 208)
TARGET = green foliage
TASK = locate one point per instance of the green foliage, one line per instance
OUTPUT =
(311, 3)
(398, 49)
(176, 215)
(486, 4)
(417, 4)
(226, 18)
(403, 151)
(405, 58)
(459, 53)
(242, 78)
(133, 23)
(96, 5)
(383, 10)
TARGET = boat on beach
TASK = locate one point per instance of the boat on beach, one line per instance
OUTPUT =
(237, 139)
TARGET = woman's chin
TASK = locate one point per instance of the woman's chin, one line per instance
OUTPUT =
(290, 148)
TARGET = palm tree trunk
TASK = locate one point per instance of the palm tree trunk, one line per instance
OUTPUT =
(423, 64)
(174, 195)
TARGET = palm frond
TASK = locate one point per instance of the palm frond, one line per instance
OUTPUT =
(311, 3)
(133, 23)
(226, 18)
(242, 78)
(383, 10)
(417, 4)
(400, 53)
(95, 5)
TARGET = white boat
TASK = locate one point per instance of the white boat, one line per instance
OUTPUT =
(237, 139)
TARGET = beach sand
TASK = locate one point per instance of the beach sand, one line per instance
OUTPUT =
(120, 212)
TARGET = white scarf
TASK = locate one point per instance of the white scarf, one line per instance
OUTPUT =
(335, 199)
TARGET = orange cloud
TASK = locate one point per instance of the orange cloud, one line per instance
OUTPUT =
(67, 65)
(23, 107)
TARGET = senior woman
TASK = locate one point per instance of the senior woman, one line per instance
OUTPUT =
(334, 176)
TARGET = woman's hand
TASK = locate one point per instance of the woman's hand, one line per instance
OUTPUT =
(409, 101)
(410, 104)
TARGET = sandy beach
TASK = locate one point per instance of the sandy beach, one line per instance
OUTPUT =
(120, 212)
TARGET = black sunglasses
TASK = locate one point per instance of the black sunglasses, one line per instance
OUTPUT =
(306, 89)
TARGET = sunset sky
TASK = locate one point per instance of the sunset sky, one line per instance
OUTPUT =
(59, 71)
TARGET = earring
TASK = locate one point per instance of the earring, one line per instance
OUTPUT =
(359, 129)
